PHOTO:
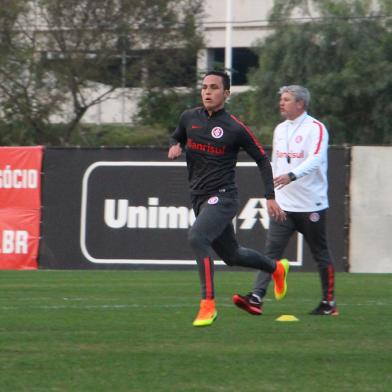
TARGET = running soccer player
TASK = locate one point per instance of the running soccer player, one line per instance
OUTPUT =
(212, 138)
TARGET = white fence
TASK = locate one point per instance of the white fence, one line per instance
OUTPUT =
(371, 210)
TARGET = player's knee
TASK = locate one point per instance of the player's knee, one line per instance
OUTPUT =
(196, 239)
(323, 258)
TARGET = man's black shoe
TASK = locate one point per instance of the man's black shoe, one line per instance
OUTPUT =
(326, 308)
(251, 303)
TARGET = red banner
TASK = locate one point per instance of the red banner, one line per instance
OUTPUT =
(20, 206)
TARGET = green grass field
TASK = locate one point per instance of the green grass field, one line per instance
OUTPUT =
(132, 331)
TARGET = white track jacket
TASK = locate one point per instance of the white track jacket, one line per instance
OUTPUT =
(301, 146)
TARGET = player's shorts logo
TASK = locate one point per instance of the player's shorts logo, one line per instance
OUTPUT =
(213, 200)
(314, 217)
(217, 132)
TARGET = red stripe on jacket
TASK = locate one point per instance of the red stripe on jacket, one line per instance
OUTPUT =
(320, 136)
(250, 133)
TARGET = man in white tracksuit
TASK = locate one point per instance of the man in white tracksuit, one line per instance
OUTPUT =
(300, 163)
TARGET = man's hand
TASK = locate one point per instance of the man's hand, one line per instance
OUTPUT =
(281, 181)
(174, 151)
(275, 212)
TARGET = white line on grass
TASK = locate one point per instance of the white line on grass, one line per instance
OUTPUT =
(136, 306)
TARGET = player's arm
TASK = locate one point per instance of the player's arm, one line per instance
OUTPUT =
(274, 158)
(252, 146)
(248, 141)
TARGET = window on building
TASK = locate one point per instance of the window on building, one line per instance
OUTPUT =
(243, 59)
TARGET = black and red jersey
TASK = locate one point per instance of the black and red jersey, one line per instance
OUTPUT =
(212, 144)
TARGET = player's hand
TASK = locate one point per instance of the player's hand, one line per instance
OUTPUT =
(275, 212)
(174, 151)
(281, 181)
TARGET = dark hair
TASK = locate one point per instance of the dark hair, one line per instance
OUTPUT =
(225, 78)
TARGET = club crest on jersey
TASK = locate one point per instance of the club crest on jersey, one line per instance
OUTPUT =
(314, 217)
(298, 139)
(217, 132)
(213, 200)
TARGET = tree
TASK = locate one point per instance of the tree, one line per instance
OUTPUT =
(82, 51)
(28, 92)
(343, 55)
(162, 101)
